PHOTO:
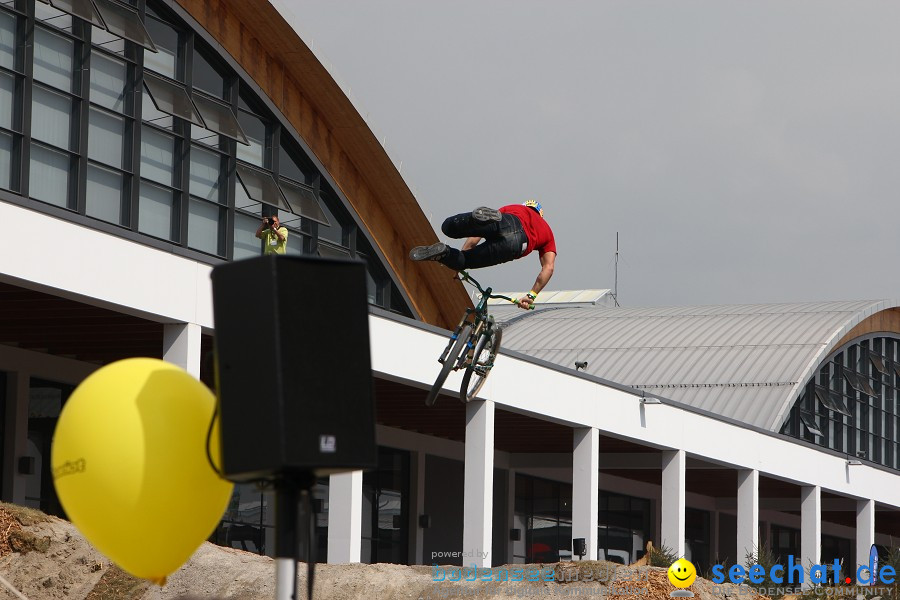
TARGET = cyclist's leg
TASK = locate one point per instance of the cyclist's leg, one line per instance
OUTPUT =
(493, 251)
(465, 225)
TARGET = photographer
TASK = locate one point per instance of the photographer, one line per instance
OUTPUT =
(273, 234)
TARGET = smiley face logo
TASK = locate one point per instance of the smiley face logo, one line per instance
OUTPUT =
(682, 573)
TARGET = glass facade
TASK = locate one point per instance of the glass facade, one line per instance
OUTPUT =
(851, 405)
(45, 401)
(385, 519)
(625, 526)
(249, 520)
(2, 414)
(698, 536)
(122, 114)
(544, 511)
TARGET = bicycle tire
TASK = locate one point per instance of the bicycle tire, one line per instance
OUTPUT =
(448, 365)
(475, 376)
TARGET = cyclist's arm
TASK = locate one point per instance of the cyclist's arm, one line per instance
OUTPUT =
(548, 260)
(470, 243)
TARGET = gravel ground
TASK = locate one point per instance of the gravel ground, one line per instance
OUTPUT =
(45, 558)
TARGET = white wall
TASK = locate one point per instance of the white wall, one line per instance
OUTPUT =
(101, 269)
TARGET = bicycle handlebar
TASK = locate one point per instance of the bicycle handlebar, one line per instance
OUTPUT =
(464, 276)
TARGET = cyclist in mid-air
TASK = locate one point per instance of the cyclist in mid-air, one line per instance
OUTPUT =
(509, 233)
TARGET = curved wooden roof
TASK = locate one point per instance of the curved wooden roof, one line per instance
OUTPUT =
(260, 40)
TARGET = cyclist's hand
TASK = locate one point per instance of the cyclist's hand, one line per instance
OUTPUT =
(525, 302)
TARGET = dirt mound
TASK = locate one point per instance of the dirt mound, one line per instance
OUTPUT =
(46, 558)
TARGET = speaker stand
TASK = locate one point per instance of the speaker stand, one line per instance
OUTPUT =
(288, 489)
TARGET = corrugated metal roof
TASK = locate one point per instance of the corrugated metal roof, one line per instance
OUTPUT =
(561, 297)
(747, 362)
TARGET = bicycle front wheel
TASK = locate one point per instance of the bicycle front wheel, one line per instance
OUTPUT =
(449, 363)
(481, 366)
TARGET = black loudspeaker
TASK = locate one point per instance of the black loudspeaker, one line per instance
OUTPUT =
(579, 547)
(294, 379)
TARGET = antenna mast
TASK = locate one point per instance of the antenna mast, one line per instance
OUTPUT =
(616, 280)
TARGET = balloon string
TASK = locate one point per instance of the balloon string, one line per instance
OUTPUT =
(10, 587)
(209, 431)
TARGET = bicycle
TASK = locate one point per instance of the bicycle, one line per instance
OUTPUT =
(473, 346)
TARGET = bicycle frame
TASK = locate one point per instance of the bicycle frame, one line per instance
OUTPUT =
(481, 317)
(473, 345)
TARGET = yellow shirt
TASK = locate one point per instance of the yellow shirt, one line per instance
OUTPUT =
(271, 243)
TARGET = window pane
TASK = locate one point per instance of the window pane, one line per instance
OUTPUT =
(124, 23)
(53, 59)
(82, 9)
(51, 117)
(335, 231)
(165, 60)
(203, 226)
(108, 77)
(303, 202)
(104, 195)
(6, 161)
(52, 16)
(206, 77)
(7, 40)
(219, 118)
(295, 243)
(255, 131)
(155, 211)
(260, 186)
(150, 114)
(49, 176)
(246, 244)
(288, 167)
(205, 136)
(108, 41)
(106, 138)
(327, 251)
(244, 202)
(7, 96)
(157, 156)
(171, 99)
(206, 169)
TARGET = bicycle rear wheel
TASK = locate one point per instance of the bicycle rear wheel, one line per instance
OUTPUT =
(481, 365)
(449, 363)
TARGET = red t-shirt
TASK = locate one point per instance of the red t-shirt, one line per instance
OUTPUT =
(540, 236)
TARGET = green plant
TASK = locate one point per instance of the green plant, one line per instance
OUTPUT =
(764, 557)
(891, 558)
(662, 556)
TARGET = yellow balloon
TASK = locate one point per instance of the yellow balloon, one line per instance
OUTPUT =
(130, 465)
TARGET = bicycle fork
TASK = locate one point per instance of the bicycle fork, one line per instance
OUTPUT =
(475, 348)
(454, 337)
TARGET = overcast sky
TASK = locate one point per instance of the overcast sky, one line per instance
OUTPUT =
(744, 151)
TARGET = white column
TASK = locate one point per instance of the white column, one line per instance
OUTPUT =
(810, 528)
(181, 346)
(673, 500)
(16, 438)
(478, 489)
(865, 535)
(585, 482)
(747, 514)
(345, 517)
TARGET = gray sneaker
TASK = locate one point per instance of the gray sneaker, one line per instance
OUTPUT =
(432, 252)
(483, 213)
